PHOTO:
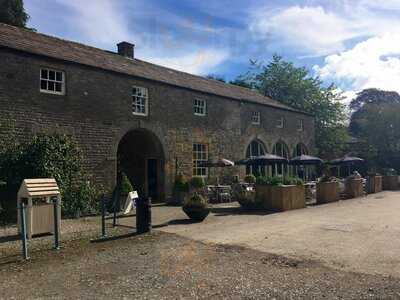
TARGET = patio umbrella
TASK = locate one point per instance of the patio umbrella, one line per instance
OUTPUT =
(346, 161)
(265, 159)
(221, 162)
(305, 160)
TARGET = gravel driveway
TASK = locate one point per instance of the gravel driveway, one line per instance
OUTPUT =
(166, 266)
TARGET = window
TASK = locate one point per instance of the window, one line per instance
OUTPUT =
(139, 101)
(200, 155)
(280, 122)
(199, 107)
(52, 81)
(300, 150)
(300, 126)
(255, 148)
(256, 118)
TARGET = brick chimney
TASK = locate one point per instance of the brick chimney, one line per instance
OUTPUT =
(126, 49)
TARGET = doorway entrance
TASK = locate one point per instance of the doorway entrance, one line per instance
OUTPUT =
(141, 158)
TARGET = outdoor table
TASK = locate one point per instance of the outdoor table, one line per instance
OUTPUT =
(223, 193)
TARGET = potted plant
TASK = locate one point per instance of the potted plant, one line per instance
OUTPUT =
(251, 179)
(390, 179)
(327, 188)
(280, 193)
(374, 182)
(180, 191)
(196, 207)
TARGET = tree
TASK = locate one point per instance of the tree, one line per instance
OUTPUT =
(375, 123)
(12, 12)
(295, 87)
(216, 77)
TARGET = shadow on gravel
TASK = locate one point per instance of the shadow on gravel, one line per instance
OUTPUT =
(227, 211)
(9, 238)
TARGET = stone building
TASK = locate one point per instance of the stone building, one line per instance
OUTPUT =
(150, 121)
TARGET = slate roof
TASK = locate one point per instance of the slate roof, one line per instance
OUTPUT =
(40, 44)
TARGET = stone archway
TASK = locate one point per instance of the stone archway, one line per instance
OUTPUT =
(141, 157)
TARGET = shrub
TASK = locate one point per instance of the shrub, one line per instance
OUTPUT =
(126, 185)
(197, 182)
(195, 200)
(180, 185)
(54, 156)
(250, 178)
(279, 180)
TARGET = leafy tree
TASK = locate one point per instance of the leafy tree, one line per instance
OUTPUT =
(216, 77)
(375, 123)
(294, 86)
(12, 12)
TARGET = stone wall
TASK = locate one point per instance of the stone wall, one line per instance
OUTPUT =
(96, 110)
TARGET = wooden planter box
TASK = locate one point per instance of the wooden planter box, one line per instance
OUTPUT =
(281, 198)
(390, 183)
(354, 188)
(327, 192)
(374, 184)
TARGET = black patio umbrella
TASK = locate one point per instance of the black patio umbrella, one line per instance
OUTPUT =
(265, 159)
(305, 160)
(346, 161)
(219, 163)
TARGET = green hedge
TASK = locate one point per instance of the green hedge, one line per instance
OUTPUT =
(54, 156)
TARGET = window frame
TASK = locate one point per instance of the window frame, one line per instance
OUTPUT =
(196, 159)
(62, 82)
(204, 107)
(300, 125)
(134, 99)
(257, 115)
(280, 123)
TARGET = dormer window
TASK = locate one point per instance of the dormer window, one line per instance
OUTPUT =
(256, 118)
(280, 122)
(52, 81)
(199, 107)
(140, 101)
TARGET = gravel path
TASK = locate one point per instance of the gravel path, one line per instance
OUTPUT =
(167, 266)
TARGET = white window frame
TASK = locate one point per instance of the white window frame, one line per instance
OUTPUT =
(135, 98)
(199, 155)
(280, 122)
(300, 125)
(54, 81)
(201, 106)
(256, 118)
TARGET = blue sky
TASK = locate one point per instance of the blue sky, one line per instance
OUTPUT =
(353, 43)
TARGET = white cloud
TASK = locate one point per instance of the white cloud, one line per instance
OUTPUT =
(310, 30)
(374, 63)
(106, 23)
(198, 62)
(316, 31)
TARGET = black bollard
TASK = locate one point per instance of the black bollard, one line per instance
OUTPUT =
(103, 217)
(22, 209)
(143, 215)
(56, 228)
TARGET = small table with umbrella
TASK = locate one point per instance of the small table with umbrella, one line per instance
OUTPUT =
(346, 161)
(263, 160)
(305, 160)
(220, 191)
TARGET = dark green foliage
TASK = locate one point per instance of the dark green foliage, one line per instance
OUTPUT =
(250, 178)
(295, 87)
(126, 185)
(197, 182)
(216, 77)
(54, 156)
(279, 180)
(180, 184)
(375, 124)
(12, 12)
(196, 200)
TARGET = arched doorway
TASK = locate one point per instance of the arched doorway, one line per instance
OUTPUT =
(280, 149)
(141, 157)
(255, 148)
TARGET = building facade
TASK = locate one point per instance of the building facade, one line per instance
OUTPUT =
(126, 114)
